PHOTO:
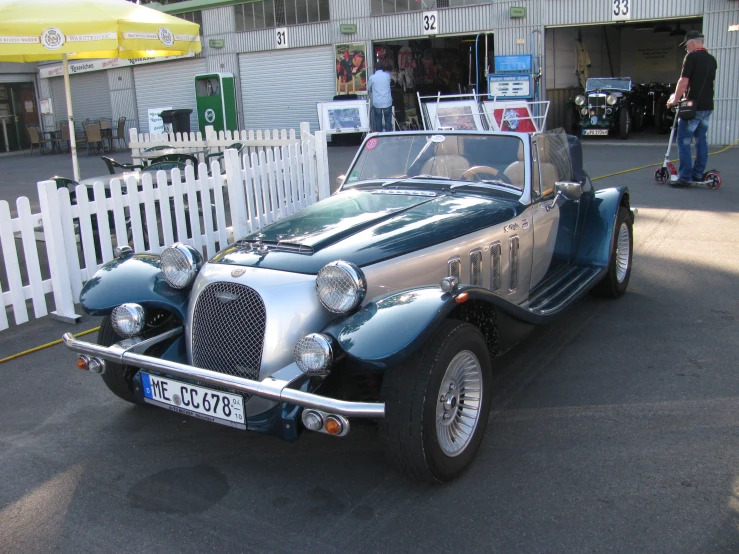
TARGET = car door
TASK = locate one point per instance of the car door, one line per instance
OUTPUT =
(554, 222)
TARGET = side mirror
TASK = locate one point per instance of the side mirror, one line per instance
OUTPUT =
(340, 180)
(571, 190)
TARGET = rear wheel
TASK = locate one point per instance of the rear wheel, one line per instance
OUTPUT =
(616, 280)
(712, 179)
(118, 378)
(437, 404)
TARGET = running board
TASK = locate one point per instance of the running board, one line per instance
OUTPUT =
(561, 292)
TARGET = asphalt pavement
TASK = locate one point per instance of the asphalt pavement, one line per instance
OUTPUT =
(613, 430)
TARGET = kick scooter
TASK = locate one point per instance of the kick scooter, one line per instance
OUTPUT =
(668, 172)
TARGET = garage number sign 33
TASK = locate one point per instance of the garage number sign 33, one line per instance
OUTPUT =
(621, 9)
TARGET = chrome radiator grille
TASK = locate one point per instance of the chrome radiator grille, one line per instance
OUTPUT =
(228, 330)
(597, 101)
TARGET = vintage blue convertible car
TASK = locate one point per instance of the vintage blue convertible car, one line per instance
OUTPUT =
(388, 301)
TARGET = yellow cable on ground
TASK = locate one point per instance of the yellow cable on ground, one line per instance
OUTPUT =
(659, 164)
(47, 345)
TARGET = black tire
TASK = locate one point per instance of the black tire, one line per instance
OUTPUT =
(411, 393)
(638, 120)
(624, 123)
(569, 125)
(659, 119)
(118, 378)
(611, 286)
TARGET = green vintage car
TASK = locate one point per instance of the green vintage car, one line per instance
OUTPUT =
(607, 107)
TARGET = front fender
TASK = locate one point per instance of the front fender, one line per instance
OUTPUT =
(136, 279)
(388, 330)
(599, 226)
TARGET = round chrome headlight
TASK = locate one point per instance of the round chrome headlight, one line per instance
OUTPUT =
(180, 264)
(340, 286)
(584, 111)
(314, 354)
(611, 99)
(580, 100)
(128, 319)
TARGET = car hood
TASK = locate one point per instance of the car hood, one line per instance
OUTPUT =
(366, 227)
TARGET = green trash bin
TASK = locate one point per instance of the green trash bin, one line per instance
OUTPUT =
(216, 101)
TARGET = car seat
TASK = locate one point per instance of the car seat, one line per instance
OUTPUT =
(549, 175)
(447, 160)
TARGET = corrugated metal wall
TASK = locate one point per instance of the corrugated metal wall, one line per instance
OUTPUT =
(724, 45)
(274, 98)
(90, 97)
(585, 12)
(123, 95)
(167, 84)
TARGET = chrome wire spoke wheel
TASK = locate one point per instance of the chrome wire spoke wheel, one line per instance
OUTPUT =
(622, 252)
(459, 402)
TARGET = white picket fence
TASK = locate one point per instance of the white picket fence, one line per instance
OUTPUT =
(208, 213)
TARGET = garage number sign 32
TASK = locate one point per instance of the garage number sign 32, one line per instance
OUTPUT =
(621, 9)
(431, 22)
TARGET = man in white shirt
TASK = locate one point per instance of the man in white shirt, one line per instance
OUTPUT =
(382, 100)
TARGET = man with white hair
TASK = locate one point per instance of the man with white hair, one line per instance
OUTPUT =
(696, 83)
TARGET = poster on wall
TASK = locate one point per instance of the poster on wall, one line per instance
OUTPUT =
(351, 68)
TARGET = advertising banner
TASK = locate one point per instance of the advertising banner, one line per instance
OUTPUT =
(351, 68)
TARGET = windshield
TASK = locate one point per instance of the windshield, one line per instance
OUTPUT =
(608, 84)
(496, 159)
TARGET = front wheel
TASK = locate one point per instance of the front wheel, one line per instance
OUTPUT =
(616, 280)
(437, 404)
(624, 124)
(118, 378)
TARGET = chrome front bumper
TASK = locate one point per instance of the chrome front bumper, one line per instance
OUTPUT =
(275, 387)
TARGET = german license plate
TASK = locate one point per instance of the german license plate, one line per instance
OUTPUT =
(212, 405)
(595, 132)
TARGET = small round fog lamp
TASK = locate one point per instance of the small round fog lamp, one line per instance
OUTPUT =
(314, 354)
(128, 319)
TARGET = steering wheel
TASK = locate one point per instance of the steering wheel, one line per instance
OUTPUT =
(473, 174)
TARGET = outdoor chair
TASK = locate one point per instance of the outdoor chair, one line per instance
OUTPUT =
(218, 156)
(184, 159)
(120, 134)
(106, 133)
(38, 140)
(112, 165)
(94, 138)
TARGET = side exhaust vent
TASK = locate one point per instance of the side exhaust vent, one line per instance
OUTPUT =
(495, 251)
(476, 268)
(455, 268)
(513, 252)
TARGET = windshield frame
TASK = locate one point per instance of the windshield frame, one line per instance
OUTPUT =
(625, 87)
(433, 184)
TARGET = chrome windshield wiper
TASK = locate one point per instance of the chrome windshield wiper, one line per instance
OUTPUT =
(404, 179)
(485, 183)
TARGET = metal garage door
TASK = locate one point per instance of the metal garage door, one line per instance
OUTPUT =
(274, 97)
(167, 84)
(90, 97)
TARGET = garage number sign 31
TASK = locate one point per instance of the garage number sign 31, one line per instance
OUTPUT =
(621, 9)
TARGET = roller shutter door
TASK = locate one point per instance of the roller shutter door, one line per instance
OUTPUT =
(90, 96)
(275, 97)
(160, 85)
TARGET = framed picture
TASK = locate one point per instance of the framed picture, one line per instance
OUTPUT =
(344, 116)
(458, 115)
(351, 68)
(512, 116)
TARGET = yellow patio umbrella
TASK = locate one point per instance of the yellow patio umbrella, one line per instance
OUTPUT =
(37, 30)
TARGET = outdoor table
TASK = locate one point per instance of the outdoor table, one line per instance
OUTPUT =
(53, 136)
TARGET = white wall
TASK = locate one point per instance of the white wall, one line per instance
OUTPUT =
(561, 53)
